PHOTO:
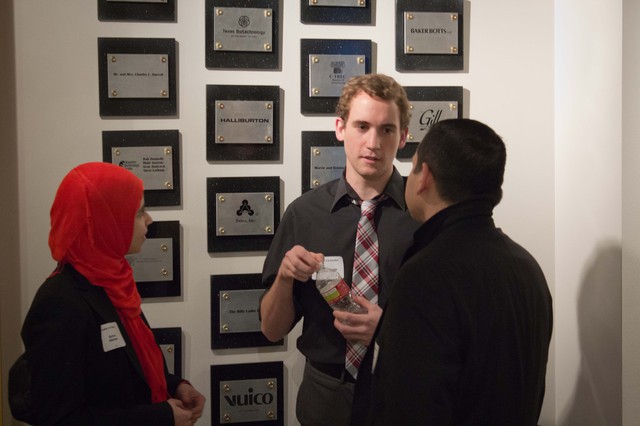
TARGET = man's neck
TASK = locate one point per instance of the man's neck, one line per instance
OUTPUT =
(368, 189)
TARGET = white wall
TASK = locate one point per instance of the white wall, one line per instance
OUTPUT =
(562, 198)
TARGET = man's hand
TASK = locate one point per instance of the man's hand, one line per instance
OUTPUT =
(191, 400)
(181, 416)
(299, 264)
(358, 327)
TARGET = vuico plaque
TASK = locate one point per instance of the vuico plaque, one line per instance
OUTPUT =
(156, 268)
(326, 65)
(169, 340)
(153, 156)
(242, 34)
(244, 121)
(429, 35)
(248, 393)
(323, 158)
(137, 10)
(235, 300)
(352, 12)
(243, 213)
(429, 105)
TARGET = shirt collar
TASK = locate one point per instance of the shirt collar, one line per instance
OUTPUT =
(394, 190)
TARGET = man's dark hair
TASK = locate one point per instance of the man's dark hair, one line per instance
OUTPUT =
(466, 158)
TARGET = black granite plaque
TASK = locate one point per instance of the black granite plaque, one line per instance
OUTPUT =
(145, 85)
(429, 35)
(351, 12)
(248, 394)
(242, 213)
(157, 268)
(242, 34)
(153, 156)
(428, 106)
(234, 312)
(238, 132)
(323, 158)
(170, 341)
(343, 55)
(132, 10)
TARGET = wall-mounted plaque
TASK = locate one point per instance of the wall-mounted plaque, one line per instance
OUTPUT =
(170, 341)
(248, 394)
(235, 322)
(137, 10)
(242, 213)
(326, 65)
(429, 35)
(156, 268)
(242, 34)
(153, 156)
(323, 158)
(137, 77)
(352, 12)
(243, 123)
(428, 106)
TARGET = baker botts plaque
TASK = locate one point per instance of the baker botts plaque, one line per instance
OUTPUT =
(138, 75)
(244, 213)
(327, 164)
(430, 33)
(241, 122)
(239, 311)
(426, 114)
(152, 164)
(329, 73)
(242, 29)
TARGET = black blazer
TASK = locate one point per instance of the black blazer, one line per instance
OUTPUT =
(74, 381)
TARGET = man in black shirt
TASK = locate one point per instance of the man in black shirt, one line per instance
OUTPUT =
(320, 226)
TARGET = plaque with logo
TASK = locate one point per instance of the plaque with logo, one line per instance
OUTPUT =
(429, 35)
(137, 10)
(137, 77)
(242, 34)
(153, 156)
(323, 158)
(352, 12)
(326, 65)
(169, 340)
(243, 123)
(428, 106)
(156, 268)
(248, 394)
(235, 322)
(242, 213)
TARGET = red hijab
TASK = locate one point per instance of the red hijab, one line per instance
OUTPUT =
(92, 221)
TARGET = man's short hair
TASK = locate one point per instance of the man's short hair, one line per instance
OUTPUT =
(466, 158)
(377, 86)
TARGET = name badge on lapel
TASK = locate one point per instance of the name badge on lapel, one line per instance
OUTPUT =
(111, 337)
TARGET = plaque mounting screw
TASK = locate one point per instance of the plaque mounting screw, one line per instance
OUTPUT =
(167, 151)
(168, 185)
(270, 415)
(163, 93)
(316, 91)
(117, 152)
(454, 17)
(315, 59)
(221, 230)
(226, 417)
(314, 1)
(225, 296)
(409, 16)
(453, 107)
(360, 60)
(225, 327)
(170, 349)
(220, 105)
(270, 384)
(164, 247)
(218, 46)
(221, 138)
(267, 138)
(268, 198)
(163, 59)
(454, 49)
(269, 105)
(316, 182)
(221, 199)
(219, 12)
(226, 387)
(268, 229)
(164, 272)
(267, 13)
(410, 136)
(113, 59)
(114, 93)
(267, 47)
(316, 152)
(410, 106)
(361, 2)
(409, 49)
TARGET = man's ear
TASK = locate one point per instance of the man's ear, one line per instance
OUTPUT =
(340, 129)
(403, 138)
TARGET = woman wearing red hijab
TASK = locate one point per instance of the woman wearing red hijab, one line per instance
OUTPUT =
(92, 355)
